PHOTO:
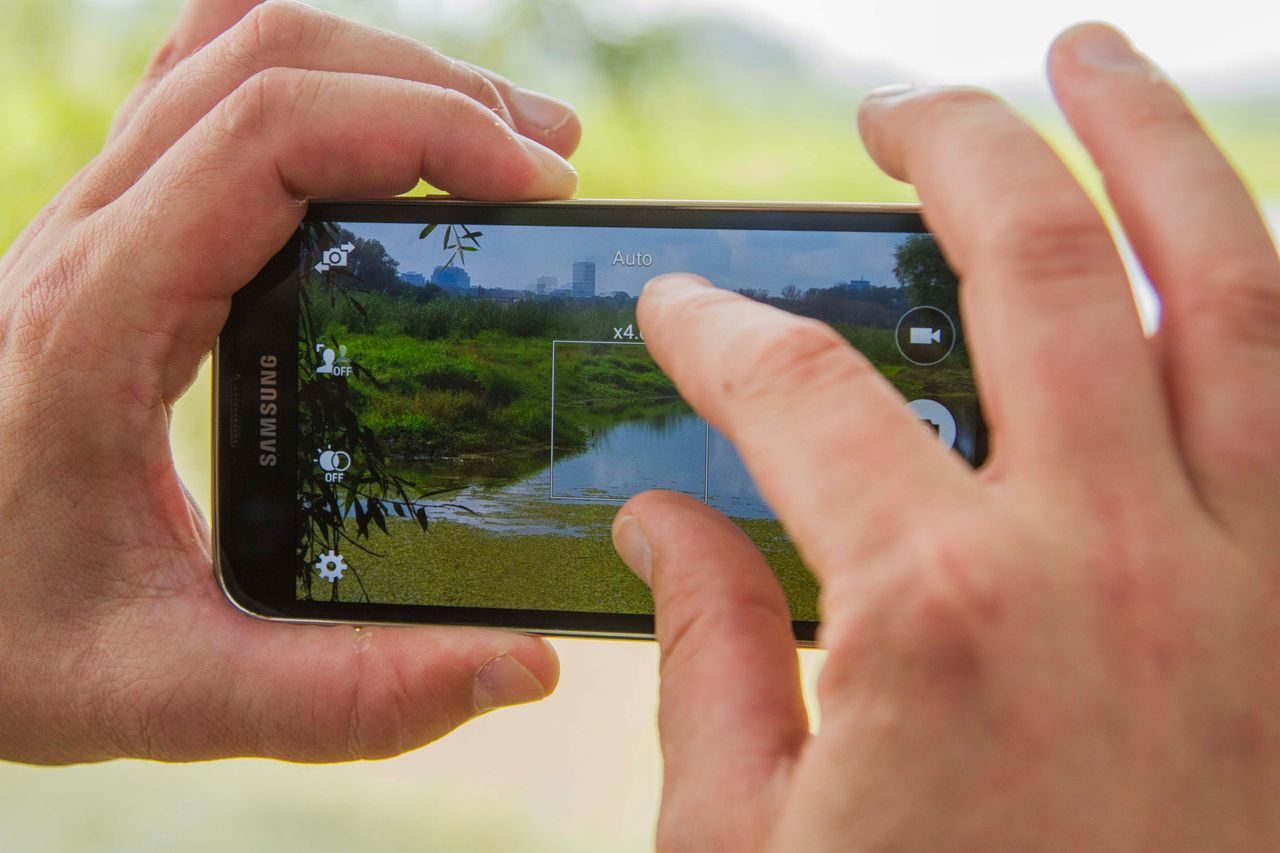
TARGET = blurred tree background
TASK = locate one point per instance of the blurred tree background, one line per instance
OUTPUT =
(675, 104)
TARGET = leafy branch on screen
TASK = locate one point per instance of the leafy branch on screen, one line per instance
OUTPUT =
(457, 239)
(338, 516)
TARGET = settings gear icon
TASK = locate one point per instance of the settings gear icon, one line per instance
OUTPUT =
(331, 566)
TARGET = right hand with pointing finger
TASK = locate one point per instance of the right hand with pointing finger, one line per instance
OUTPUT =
(1073, 648)
(114, 638)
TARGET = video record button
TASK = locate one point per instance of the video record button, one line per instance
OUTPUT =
(925, 335)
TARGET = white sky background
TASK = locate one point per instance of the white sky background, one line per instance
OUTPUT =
(1231, 44)
(996, 41)
(1219, 45)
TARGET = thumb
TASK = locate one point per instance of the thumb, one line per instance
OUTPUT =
(732, 717)
(336, 693)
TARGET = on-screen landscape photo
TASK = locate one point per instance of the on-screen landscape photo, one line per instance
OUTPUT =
(477, 401)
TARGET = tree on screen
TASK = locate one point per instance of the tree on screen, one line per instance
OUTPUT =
(338, 516)
(925, 276)
(370, 264)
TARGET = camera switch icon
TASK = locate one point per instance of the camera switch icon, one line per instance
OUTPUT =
(331, 258)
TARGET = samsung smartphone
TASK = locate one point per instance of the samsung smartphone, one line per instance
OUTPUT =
(428, 411)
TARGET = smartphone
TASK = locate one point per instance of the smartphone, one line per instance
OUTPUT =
(429, 410)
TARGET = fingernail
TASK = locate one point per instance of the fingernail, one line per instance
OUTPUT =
(633, 546)
(543, 112)
(893, 90)
(1103, 47)
(504, 681)
(550, 160)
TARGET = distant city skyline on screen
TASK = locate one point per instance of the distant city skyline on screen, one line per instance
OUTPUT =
(516, 256)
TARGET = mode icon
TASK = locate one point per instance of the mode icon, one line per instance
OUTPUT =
(333, 362)
(925, 335)
(334, 257)
(334, 464)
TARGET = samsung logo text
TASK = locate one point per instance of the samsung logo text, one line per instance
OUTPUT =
(268, 409)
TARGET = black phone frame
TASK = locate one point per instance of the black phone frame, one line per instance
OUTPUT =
(255, 512)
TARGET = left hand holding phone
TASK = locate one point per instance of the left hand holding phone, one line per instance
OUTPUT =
(114, 639)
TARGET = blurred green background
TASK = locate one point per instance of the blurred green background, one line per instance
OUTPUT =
(697, 99)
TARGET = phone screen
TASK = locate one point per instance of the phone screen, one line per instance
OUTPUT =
(476, 401)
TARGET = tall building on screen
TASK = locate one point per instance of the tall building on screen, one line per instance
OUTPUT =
(584, 280)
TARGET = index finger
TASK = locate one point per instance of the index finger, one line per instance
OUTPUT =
(234, 188)
(829, 442)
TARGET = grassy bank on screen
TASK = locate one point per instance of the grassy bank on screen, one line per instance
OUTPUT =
(461, 565)
(465, 376)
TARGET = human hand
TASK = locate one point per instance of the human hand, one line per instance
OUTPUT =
(1073, 647)
(114, 638)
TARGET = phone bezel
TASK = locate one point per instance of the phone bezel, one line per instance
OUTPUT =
(255, 508)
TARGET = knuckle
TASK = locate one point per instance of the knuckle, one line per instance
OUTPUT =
(273, 29)
(42, 299)
(691, 617)
(796, 357)
(930, 614)
(374, 724)
(243, 112)
(484, 91)
(33, 311)
(446, 105)
(1052, 233)
(383, 711)
(941, 629)
(470, 82)
(680, 641)
(437, 70)
(466, 111)
(446, 100)
(1156, 110)
(1239, 299)
(269, 93)
(442, 104)
(162, 61)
